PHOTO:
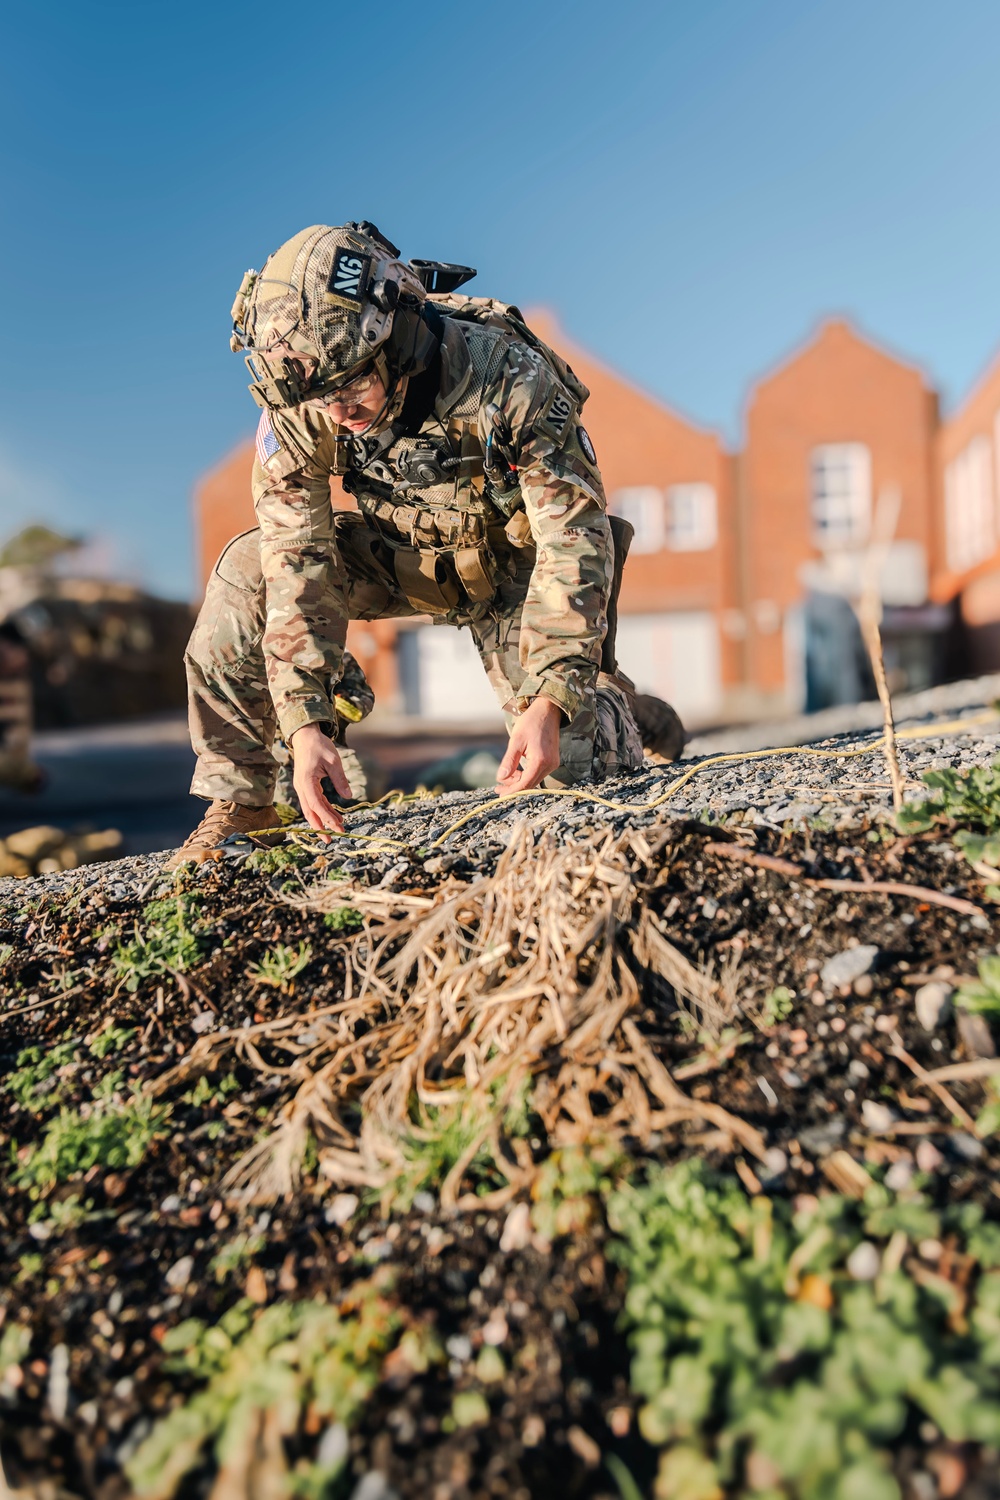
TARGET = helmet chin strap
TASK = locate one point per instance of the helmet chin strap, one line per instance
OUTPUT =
(424, 328)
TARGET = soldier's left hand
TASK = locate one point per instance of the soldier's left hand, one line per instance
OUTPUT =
(533, 752)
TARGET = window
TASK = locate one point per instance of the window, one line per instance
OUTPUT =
(841, 495)
(642, 506)
(691, 519)
(970, 522)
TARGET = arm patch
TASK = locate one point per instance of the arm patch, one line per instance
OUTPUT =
(557, 414)
(266, 443)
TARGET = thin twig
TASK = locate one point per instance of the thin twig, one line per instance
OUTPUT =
(870, 619)
(947, 1098)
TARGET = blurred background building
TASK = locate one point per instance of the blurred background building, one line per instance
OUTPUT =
(738, 598)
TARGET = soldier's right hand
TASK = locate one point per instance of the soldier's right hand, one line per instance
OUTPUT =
(315, 757)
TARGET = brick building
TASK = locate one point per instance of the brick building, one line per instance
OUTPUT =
(968, 462)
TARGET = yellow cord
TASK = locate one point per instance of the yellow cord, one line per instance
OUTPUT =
(578, 794)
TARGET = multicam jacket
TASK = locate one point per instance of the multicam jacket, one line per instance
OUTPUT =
(515, 470)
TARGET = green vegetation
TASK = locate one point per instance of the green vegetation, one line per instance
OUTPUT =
(33, 1084)
(113, 1038)
(236, 1255)
(570, 1185)
(968, 801)
(296, 1356)
(109, 1132)
(169, 938)
(268, 861)
(779, 1352)
(440, 1137)
(982, 995)
(211, 1093)
(15, 1341)
(344, 920)
(281, 965)
(776, 1007)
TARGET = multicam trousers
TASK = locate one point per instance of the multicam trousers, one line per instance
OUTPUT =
(232, 718)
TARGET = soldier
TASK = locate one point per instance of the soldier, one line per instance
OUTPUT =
(480, 503)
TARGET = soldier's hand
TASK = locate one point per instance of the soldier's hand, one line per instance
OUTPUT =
(533, 752)
(314, 757)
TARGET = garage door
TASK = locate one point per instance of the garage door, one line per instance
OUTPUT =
(448, 677)
(675, 656)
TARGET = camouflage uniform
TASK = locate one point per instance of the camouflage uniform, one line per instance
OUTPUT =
(482, 505)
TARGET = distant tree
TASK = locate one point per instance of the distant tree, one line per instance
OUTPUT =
(37, 547)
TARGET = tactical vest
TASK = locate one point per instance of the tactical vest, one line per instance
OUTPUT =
(445, 518)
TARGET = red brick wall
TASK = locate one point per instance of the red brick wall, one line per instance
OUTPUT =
(840, 388)
(975, 418)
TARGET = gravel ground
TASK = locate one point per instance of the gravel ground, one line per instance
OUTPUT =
(767, 792)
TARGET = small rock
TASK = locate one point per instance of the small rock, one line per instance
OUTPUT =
(342, 1209)
(864, 986)
(255, 1286)
(496, 1330)
(58, 1389)
(932, 1003)
(886, 1023)
(966, 1146)
(179, 1274)
(333, 1446)
(899, 1175)
(929, 1158)
(819, 1139)
(202, 1020)
(709, 910)
(459, 1346)
(864, 1261)
(846, 967)
(424, 1203)
(858, 1069)
(878, 1117)
(373, 1486)
(775, 1162)
(517, 1229)
(791, 1079)
(975, 1034)
(171, 1204)
(379, 1248)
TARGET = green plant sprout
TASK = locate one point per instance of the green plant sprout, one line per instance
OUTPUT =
(281, 965)
(798, 1344)
(970, 802)
(343, 919)
(299, 1356)
(981, 995)
(109, 1132)
(169, 938)
(113, 1038)
(33, 1084)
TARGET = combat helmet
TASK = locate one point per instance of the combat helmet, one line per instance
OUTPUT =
(328, 304)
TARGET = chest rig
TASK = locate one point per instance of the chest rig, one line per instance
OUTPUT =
(443, 515)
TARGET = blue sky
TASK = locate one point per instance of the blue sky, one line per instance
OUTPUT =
(689, 186)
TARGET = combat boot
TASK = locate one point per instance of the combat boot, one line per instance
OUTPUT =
(221, 820)
(662, 732)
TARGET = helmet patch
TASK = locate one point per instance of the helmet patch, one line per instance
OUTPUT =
(584, 439)
(349, 275)
(266, 442)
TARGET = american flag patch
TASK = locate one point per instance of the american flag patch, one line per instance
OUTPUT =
(267, 443)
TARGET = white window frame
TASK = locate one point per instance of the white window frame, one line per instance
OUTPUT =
(969, 505)
(840, 495)
(692, 523)
(644, 507)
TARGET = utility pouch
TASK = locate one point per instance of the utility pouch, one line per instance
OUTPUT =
(366, 556)
(477, 572)
(518, 530)
(426, 580)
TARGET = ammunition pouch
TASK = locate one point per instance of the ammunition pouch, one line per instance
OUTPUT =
(426, 579)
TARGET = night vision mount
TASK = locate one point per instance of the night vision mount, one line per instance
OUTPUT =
(439, 276)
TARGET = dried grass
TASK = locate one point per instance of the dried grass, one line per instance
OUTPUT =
(457, 1001)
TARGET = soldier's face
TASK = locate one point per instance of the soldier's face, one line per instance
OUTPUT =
(357, 407)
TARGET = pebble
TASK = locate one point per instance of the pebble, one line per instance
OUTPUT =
(459, 1346)
(966, 1146)
(975, 1034)
(374, 1486)
(171, 1204)
(879, 1118)
(517, 1229)
(201, 1021)
(424, 1203)
(932, 1004)
(864, 1261)
(929, 1158)
(58, 1389)
(179, 1274)
(846, 967)
(819, 1139)
(899, 1175)
(333, 1447)
(341, 1209)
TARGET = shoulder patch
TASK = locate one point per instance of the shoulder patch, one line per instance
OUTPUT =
(583, 437)
(266, 443)
(556, 414)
